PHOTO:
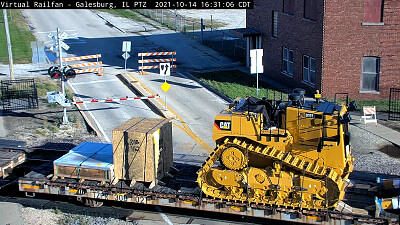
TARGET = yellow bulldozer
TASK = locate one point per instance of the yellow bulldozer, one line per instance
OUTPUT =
(293, 153)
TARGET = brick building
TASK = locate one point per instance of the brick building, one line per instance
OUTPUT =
(330, 45)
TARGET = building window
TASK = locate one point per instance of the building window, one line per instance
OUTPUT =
(288, 6)
(287, 61)
(274, 24)
(370, 74)
(309, 69)
(310, 9)
(373, 10)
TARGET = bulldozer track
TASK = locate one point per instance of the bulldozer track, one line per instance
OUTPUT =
(302, 165)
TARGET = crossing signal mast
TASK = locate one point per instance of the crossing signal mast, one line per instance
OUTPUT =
(63, 73)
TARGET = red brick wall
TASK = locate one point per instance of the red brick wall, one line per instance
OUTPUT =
(346, 41)
(302, 36)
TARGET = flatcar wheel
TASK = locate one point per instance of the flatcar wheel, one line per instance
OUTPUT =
(93, 203)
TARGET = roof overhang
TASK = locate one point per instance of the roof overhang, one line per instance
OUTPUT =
(245, 32)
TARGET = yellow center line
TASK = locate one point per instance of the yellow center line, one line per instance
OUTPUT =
(196, 138)
(185, 127)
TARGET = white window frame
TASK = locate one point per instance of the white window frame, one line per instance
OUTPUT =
(286, 58)
(308, 72)
(376, 73)
(274, 24)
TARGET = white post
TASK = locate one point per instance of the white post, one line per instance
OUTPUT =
(126, 54)
(165, 98)
(65, 117)
(142, 65)
(172, 62)
(10, 57)
(98, 66)
(257, 73)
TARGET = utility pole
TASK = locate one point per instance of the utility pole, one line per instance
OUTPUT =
(10, 58)
(65, 117)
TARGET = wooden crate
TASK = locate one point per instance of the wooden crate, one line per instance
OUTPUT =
(104, 175)
(8, 160)
(142, 149)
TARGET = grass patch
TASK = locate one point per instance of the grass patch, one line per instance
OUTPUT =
(45, 85)
(127, 13)
(381, 106)
(40, 132)
(234, 83)
(20, 35)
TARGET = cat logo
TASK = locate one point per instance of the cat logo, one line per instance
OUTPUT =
(223, 124)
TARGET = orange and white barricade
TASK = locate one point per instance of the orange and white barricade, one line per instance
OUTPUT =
(99, 69)
(142, 61)
(369, 115)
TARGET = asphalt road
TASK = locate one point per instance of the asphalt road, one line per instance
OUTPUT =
(93, 37)
(195, 107)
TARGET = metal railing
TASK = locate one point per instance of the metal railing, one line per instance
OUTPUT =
(394, 104)
(19, 94)
(206, 31)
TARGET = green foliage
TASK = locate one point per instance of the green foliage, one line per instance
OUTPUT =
(45, 85)
(234, 83)
(127, 13)
(57, 211)
(52, 128)
(381, 106)
(53, 105)
(20, 35)
(40, 132)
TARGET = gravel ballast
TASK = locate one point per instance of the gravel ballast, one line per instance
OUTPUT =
(55, 217)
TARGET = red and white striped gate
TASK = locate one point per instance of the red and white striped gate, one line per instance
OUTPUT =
(117, 99)
(142, 61)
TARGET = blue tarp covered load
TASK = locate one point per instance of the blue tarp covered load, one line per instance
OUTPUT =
(91, 161)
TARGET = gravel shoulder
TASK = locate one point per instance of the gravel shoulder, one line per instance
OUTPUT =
(41, 127)
(372, 154)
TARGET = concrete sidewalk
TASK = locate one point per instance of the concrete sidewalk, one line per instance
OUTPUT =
(10, 213)
(379, 130)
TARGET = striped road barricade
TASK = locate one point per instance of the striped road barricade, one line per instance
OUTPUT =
(369, 115)
(98, 64)
(142, 60)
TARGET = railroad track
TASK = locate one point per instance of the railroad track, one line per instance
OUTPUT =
(357, 195)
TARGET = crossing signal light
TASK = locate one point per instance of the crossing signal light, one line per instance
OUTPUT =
(54, 73)
(69, 73)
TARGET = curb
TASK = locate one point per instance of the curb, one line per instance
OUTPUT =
(89, 121)
(109, 23)
(138, 89)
